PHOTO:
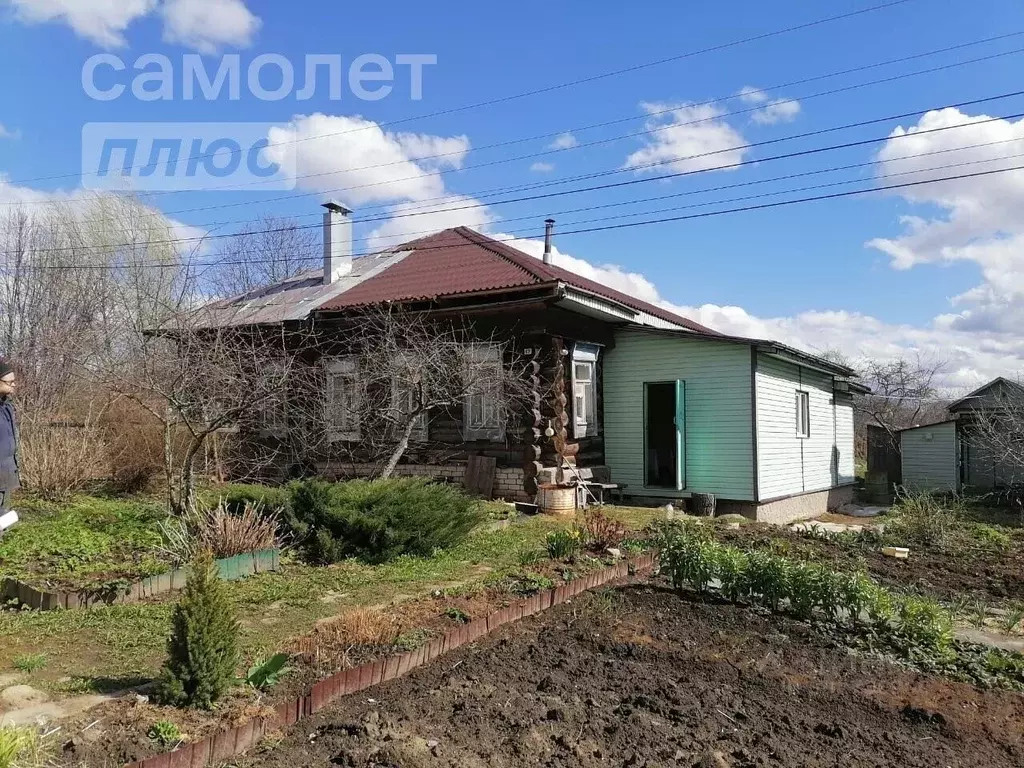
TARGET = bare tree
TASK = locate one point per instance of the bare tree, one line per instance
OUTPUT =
(903, 392)
(75, 277)
(197, 381)
(993, 429)
(412, 367)
(271, 250)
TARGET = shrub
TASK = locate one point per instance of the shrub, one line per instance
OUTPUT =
(220, 531)
(380, 520)
(58, 459)
(203, 647)
(925, 519)
(564, 544)
(236, 496)
(601, 532)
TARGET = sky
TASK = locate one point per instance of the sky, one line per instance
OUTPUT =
(532, 93)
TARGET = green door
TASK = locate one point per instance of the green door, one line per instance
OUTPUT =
(665, 434)
(680, 434)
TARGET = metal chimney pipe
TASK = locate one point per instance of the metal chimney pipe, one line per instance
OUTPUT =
(337, 241)
(549, 229)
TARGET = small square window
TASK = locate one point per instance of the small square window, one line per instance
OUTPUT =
(803, 414)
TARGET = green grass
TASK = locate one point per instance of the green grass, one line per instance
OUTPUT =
(29, 662)
(119, 643)
(86, 542)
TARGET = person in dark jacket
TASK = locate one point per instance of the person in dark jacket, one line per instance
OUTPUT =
(9, 479)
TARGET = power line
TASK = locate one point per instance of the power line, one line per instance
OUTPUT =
(423, 207)
(612, 139)
(631, 182)
(584, 145)
(609, 227)
(572, 83)
(404, 237)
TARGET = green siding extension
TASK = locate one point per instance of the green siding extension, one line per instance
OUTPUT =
(719, 455)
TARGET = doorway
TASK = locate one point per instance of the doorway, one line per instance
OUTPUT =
(664, 443)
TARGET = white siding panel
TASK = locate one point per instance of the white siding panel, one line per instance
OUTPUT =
(788, 464)
(929, 457)
(719, 438)
(844, 442)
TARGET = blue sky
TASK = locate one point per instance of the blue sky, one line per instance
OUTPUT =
(769, 269)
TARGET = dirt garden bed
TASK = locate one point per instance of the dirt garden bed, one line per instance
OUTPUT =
(120, 731)
(641, 676)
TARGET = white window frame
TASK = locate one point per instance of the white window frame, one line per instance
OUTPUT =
(402, 402)
(490, 425)
(585, 389)
(803, 414)
(345, 369)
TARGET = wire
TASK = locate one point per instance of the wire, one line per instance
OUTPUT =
(630, 182)
(598, 142)
(547, 152)
(569, 84)
(609, 227)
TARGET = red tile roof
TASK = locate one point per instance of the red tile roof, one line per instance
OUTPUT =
(460, 261)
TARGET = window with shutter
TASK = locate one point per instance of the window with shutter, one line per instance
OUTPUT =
(584, 388)
(343, 399)
(403, 401)
(273, 409)
(481, 411)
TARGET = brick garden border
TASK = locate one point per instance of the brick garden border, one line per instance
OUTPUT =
(227, 744)
(231, 569)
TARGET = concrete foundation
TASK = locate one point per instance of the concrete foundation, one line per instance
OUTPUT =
(803, 506)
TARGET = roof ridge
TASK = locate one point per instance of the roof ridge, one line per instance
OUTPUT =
(499, 249)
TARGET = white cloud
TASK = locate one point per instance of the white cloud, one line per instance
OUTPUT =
(779, 111)
(979, 219)
(436, 151)
(748, 94)
(101, 21)
(564, 141)
(540, 167)
(971, 358)
(205, 25)
(208, 25)
(687, 137)
(453, 211)
(7, 133)
(773, 111)
(364, 162)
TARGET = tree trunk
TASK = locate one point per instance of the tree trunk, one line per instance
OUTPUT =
(172, 501)
(187, 476)
(403, 443)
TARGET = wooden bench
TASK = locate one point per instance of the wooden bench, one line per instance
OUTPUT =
(599, 489)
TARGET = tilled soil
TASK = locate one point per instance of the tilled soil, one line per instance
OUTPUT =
(987, 573)
(640, 676)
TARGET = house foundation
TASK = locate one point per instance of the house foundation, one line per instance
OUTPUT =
(801, 506)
